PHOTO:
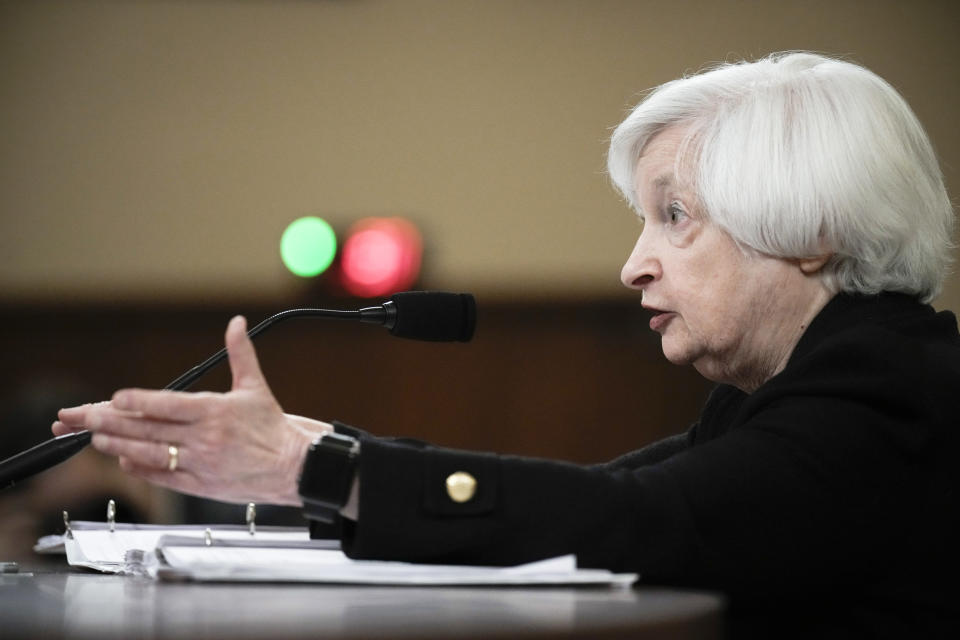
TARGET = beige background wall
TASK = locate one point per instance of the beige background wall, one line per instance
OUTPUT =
(155, 150)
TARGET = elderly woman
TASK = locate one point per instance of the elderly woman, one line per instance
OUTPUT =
(794, 227)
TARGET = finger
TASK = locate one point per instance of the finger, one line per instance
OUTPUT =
(135, 426)
(243, 357)
(75, 416)
(154, 455)
(60, 429)
(170, 406)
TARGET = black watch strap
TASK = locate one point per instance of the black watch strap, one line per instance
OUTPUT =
(327, 475)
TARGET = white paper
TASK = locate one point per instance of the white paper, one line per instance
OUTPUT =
(332, 566)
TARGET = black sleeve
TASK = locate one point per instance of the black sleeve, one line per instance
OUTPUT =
(654, 452)
(803, 491)
(648, 455)
(524, 509)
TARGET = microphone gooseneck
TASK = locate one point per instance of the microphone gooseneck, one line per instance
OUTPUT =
(434, 316)
(368, 315)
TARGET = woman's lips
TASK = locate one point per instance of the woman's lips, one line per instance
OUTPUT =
(659, 319)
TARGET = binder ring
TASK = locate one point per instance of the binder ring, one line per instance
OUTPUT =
(174, 457)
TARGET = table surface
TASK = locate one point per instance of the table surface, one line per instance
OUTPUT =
(68, 603)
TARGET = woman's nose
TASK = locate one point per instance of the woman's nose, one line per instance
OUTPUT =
(641, 267)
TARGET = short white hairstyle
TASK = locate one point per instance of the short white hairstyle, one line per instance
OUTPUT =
(797, 155)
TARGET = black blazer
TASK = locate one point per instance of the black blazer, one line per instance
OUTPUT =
(827, 497)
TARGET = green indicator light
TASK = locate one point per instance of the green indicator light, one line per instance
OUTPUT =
(308, 246)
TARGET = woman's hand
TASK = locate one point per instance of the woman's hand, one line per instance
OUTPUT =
(237, 446)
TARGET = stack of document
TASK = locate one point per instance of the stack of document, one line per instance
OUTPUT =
(281, 554)
(247, 564)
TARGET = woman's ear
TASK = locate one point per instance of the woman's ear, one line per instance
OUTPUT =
(813, 264)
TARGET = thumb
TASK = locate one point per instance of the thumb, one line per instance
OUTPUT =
(242, 356)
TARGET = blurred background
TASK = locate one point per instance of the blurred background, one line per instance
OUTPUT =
(154, 153)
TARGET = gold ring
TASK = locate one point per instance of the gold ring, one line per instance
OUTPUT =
(174, 458)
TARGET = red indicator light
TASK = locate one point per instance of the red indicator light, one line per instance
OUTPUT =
(380, 256)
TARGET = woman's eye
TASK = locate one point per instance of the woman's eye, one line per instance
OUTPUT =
(675, 213)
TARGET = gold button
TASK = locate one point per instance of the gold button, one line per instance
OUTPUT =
(461, 486)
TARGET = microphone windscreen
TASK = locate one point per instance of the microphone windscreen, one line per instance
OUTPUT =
(434, 315)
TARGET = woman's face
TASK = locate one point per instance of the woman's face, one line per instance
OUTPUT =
(731, 313)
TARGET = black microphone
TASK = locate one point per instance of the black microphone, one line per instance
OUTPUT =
(432, 315)
(435, 316)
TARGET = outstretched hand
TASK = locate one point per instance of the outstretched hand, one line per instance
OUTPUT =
(237, 446)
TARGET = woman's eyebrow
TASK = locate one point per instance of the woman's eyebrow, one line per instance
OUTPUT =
(659, 184)
(664, 180)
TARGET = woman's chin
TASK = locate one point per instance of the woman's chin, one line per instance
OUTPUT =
(675, 351)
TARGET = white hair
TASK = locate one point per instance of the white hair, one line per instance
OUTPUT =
(798, 155)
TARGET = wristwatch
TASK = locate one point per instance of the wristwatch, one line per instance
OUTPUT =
(327, 475)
